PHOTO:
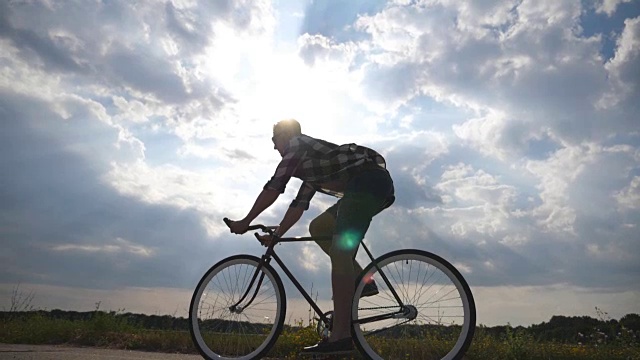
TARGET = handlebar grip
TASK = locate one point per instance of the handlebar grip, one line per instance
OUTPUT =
(265, 229)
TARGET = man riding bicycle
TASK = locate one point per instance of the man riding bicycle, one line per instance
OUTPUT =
(355, 174)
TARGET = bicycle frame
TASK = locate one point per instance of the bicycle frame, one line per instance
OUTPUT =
(270, 253)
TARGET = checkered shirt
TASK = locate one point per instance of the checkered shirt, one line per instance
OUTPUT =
(316, 161)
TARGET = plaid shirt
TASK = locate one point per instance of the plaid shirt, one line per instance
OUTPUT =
(316, 162)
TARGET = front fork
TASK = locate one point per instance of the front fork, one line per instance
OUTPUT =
(236, 308)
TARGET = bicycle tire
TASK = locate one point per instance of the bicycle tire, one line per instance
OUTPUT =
(429, 336)
(232, 336)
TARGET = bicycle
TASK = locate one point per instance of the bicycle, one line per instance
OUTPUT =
(424, 307)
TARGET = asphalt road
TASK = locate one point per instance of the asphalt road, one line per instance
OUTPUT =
(48, 352)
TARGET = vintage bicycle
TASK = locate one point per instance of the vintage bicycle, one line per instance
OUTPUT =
(424, 308)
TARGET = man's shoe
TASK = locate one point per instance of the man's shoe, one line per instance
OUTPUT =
(325, 347)
(370, 289)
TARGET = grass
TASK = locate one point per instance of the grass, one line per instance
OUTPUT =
(106, 329)
(518, 345)
(21, 325)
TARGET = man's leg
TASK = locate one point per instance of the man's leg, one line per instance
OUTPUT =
(365, 197)
(343, 278)
(325, 225)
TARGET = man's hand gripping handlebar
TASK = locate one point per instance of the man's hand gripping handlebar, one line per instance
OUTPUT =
(265, 239)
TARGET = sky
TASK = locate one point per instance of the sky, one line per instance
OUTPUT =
(130, 129)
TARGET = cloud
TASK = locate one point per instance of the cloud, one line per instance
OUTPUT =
(609, 6)
(624, 88)
(629, 197)
(151, 75)
(539, 89)
(56, 209)
(494, 135)
(135, 52)
(312, 47)
(118, 245)
(54, 50)
(541, 75)
(333, 19)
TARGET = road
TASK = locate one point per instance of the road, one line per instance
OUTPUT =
(48, 352)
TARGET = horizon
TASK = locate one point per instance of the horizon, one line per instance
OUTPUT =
(601, 315)
(129, 131)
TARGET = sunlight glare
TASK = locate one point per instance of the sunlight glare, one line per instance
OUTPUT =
(271, 85)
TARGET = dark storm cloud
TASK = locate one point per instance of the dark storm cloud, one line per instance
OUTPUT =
(147, 74)
(116, 44)
(37, 46)
(61, 222)
(54, 205)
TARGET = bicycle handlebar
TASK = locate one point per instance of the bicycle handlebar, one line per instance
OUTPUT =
(266, 229)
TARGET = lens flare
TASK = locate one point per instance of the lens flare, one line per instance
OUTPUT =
(348, 240)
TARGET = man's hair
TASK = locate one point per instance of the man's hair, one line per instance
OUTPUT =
(288, 126)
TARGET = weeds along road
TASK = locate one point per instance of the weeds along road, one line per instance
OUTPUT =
(48, 352)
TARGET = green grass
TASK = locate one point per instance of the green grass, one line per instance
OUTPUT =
(519, 345)
(106, 329)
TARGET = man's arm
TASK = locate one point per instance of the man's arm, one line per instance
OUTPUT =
(263, 201)
(291, 217)
(297, 208)
(273, 188)
(266, 198)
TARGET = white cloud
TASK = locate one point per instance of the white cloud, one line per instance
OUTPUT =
(476, 202)
(209, 191)
(310, 259)
(531, 65)
(556, 175)
(317, 47)
(134, 110)
(118, 245)
(629, 197)
(514, 240)
(623, 67)
(494, 135)
(609, 6)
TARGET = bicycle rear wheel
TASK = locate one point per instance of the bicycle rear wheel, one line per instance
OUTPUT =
(437, 320)
(221, 330)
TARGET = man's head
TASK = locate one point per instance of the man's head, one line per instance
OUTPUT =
(283, 131)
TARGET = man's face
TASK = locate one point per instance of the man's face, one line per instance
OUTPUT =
(280, 141)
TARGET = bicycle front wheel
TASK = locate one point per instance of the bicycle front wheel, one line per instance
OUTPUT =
(236, 311)
(434, 319)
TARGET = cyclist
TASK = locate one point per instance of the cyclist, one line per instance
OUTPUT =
(355, 174)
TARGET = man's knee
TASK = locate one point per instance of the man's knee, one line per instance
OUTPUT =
(314, 227)
(322, 225)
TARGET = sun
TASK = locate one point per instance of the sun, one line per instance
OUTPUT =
(270, 82)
